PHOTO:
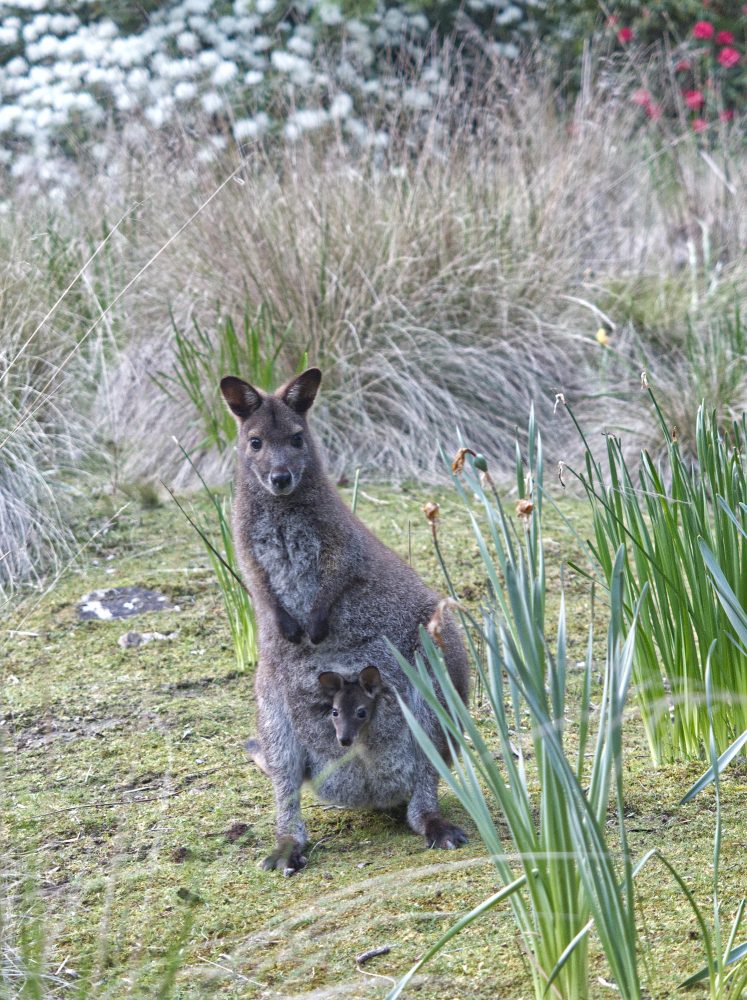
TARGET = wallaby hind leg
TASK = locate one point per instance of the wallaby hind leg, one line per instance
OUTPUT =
(284, 761)
(424, 816)
(423, 813)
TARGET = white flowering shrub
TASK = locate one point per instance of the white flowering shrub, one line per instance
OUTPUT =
(71, 69)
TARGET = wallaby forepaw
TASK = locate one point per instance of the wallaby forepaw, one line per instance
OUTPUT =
(444, 835)
(287, 858)
(290, 628)
(318, 629)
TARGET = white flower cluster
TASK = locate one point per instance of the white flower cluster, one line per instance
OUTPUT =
(67, 72)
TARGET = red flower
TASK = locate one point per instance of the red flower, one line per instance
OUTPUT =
(641, 97)
(728, 57)
(682, 66)
(625, 35)
(703, 30)
(699, 125)
(693, 99)
(727, 115)
(724, 38)
(653, 111)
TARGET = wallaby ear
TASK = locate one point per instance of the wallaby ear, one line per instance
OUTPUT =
(330, 682)
(301, 391)
(370, 680)
(242, 398)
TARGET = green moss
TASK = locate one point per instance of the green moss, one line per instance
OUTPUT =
(130, 808)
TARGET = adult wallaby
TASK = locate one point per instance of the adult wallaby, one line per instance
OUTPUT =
(325, 590)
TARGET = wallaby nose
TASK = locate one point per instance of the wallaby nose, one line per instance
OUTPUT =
(345, 741)
(281, 480)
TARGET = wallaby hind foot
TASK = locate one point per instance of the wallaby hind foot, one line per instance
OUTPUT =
(440, 833)
(287, 857)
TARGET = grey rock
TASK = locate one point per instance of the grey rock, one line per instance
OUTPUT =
(121, 602)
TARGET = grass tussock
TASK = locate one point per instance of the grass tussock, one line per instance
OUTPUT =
(443, 281)
(44, 388)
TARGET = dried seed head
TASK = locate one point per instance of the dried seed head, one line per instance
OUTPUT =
(644, 380)
(674, 434)
(458, 464)
(524, 509)
(559, 401)
(561, 469)
(431, 511)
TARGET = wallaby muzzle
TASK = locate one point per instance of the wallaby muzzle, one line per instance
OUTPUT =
(281, 482)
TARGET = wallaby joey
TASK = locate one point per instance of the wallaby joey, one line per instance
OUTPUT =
(353, 702)
(325, 591)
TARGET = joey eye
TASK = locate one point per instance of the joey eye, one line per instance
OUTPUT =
(361, 713)
(255, 443)
(297, 440)
(335, 713)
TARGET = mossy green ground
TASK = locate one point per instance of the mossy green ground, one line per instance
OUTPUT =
(134, 823)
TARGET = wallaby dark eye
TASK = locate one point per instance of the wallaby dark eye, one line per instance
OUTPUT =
(255, 443)
(297, 440)
(335, 713)
(361, 713)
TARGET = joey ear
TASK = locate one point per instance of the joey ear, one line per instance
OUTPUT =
(330, 682)
(370, 680)
(301, 391)
(242, 398)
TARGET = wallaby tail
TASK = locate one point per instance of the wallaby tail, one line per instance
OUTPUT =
(254, 749)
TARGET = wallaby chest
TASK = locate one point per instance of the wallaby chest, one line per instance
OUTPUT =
(287, 549)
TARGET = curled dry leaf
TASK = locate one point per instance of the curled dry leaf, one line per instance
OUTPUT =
(458, 464)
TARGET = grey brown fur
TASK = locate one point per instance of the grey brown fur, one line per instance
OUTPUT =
(327, 595)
